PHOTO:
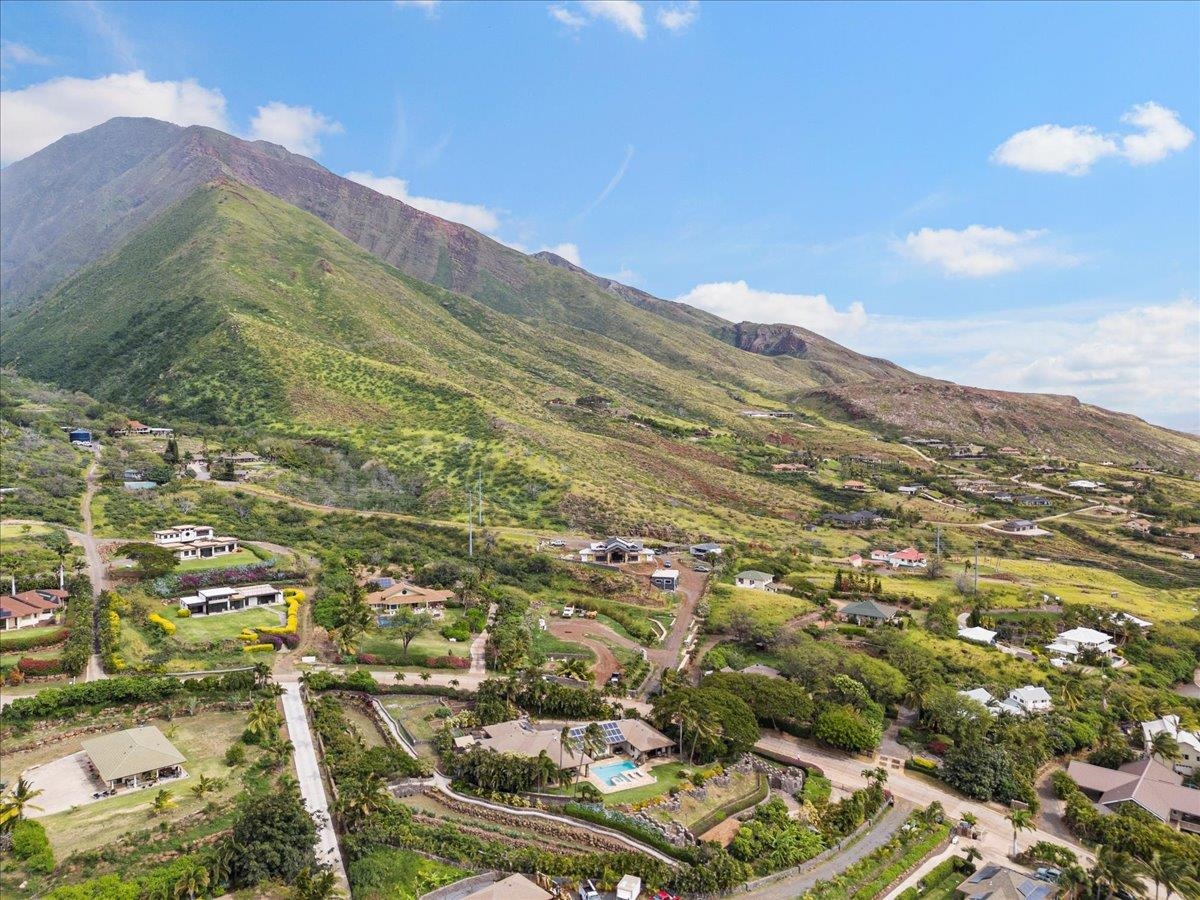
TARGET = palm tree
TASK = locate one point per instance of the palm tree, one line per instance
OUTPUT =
(368, 796)
(683, 718)
(1074, 880)
(1165, 747)
(1115, 870)
(705, 730)
(263, 718)
(15, 802)
(398, 677)
(563, 736)
(876, 776)
(193, 880)
(1021, 819)
(203, 785)
(309, 885)
(593, 744)
(220, 863)
(163, 801)
(545, 767)
(1170, 872)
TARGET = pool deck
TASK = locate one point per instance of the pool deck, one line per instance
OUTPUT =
(622, 781)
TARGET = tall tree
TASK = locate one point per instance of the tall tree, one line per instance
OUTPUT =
(1021, 820)
(408, 625)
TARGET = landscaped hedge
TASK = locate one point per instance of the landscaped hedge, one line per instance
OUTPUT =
(39, 667)
(293, 598)
(956, 866)
(14, 643)
(600, 815)
(167, 626)
(911, 856)
(397, 657)
(363, 682)
(921, 764)
(258, 648)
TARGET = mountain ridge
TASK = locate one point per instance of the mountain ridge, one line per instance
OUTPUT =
(68, 205)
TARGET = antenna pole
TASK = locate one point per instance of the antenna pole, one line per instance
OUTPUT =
(470, 526)
(975, 590)
(480, 492)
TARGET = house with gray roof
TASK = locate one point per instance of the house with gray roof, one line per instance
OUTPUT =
(995, 882)
(868, 612)
(1146, 783)
(753, 579)
(133, 757)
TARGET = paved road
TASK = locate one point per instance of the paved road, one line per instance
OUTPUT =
(312, 788)
(826, 867)
(929, 865)
(667, 656)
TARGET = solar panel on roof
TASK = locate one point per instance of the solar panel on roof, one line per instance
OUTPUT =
(611, 731)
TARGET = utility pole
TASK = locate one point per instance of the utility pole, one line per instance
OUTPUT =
(479, 487)
(939, 542)
(975, 590)
(470, 525)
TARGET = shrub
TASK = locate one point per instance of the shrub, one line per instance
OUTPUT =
(235, 755)
(29, 839)
(921, 764)
(167, 626)
(183, 613)
(43, 667)
(293, 607)
(18, 642)
(258, 648)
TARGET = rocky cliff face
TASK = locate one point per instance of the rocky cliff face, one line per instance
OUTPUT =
(769, 340)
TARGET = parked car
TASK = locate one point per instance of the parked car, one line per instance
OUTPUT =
(701, 567)
(558, 542)
(587, 891)
(664, 894)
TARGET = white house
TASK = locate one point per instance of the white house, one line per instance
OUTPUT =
(209, 601)
(753, 579)
(189, 542)
(1029, 699)
(978, 635)
(1187, 741)
(908, 558)
(665, 579)
(702, 550)
(909, 489)
(1077, 640)
(1083, 484)
(616, 550)
(1122, 618)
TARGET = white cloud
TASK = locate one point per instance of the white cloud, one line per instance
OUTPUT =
(626, 15)
(978, 251)
(34, 117)
(1074, 150)
(1162, 134)
(15, 54)
(569, 252)
(739, 302)
(481, 218)
(679, 16)
(299, 128)
(1141, 359)
(625, 275)
(429, 6)
(612, 182)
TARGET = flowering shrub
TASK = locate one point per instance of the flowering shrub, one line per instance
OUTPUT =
(29, 666)
(250, 573)
(258, 648)
(167, 626)
(19, 641)
(293, 607)
(248, 635)
(183, 613)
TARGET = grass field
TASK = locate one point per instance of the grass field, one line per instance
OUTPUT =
(14, 657)
(767, 608)
(13, 532)
(430, 642)
(198, 629)
(22, 633)
(415, 713)
(243, 557)
(202, 739)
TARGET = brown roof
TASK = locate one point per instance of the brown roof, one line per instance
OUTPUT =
(524, 739)
(642, 737)
(39, 600)
(514, 887)
(1146, 782)
(402, 593)
(11, 606)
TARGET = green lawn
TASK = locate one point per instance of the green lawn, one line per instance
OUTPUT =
(767, 608)
(12, 658)
(12, 532)
(666, 777)
(430, 642)
(415, 713)
(242, 558)
(23, 633)
(200, 629)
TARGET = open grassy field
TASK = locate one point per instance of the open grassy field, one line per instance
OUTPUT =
(389, 874)
(768, 608)
(197, 629)
(10, 531)
(415, 713)
(243, 557)
(384, 644)
(202, 739)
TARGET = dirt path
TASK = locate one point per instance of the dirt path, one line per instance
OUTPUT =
(667, 656)
(96, 568)
(585, 632)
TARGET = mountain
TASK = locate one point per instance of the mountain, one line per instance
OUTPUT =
(123, 188)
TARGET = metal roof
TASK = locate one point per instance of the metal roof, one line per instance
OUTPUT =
(131, 752)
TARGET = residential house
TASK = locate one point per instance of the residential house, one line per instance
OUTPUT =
(1083, 484)
(189, 542)
(977, 635)
(1188, 743)
(909, 489)
(1146, 783)
(29, 609)
(1002, 497)
(1009, 451)
(868, 612)
(1077, 640)
(1019, 526)
(665, 579)
(210, 601)
(1031, 500)
(702, 550)
(512, 887)
(133, 758)
(855, 560)
(861, 486)
(1030, 699)
(909, 558)
(1138, 526)
(389, 600)
(79, 436)
(996, 882)
(789, 467)
(863, 518)
(615, 550)
(1123, 618)
(632, 737)
(753, 579)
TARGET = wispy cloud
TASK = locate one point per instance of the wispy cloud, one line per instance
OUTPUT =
(1073, 150)
(626, 15)
(299, 128)
(473, 215)
(678, 17)
(430, 7)
(978, 251)
(105, 26)
(612, 183)
(16, 54)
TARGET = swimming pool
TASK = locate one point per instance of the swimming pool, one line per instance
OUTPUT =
(611, 773)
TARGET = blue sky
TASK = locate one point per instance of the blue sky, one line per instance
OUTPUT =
(1006, 195)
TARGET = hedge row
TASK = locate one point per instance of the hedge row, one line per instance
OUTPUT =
(362, 682)
(14, 643)
(167, 626)
(902, 864)
(293, 598)
(599, 815)
(39, 667)
(427, 662)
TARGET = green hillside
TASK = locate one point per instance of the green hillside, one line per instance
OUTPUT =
(236, 309)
